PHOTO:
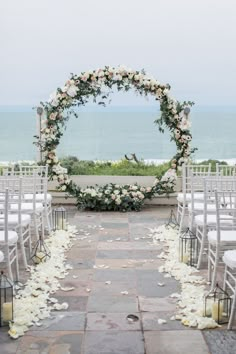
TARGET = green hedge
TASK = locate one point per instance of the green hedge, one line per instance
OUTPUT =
(108, 168)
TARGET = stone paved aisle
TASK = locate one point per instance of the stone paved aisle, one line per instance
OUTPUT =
(113, 255)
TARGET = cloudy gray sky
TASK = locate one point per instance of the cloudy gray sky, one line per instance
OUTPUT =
(190, 44)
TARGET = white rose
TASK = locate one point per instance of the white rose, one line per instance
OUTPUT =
(72, 90)
(63, 188)
(101, 74)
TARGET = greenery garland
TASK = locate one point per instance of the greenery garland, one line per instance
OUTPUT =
(76, 92)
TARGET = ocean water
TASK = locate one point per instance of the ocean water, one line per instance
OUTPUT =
(102, 134)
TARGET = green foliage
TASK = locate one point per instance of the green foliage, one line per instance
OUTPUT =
(109, 168)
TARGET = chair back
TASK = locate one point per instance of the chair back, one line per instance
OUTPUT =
(189, 171)
(225, 202)
(225, 170)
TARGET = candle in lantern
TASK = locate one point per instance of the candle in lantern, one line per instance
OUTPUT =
(217, 311)
(185, 258)
(39, 257)
(61, 225)
(7, 312)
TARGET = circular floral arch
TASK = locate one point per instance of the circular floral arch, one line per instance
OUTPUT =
(76, 92)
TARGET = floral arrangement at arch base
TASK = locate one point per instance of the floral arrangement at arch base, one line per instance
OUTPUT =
(76, 92)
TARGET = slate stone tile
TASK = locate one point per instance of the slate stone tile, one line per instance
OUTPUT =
(77, 253)
(81, 274)
(61, 320)
(106, 303)
(112, 321)
(128, 254)
(79, 288)
(115, 225)
(156, 304)
(115, 288)
(108, 236)
(128, 275)
(175, 342)
(82, 263)
(76, 303)
(114, 342)
(119, 245)
(150, 321)
(221, 341)
(122, 254)
(147, 284)
(118, 232)
(7, 345)
(53, 342)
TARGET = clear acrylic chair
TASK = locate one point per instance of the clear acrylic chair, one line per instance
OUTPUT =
(183, 198)
(40, 173)
(205, 220)
(32, 208)
(8, 238)
(1, 256)
(229, 259)
(17, 220)
(224, 237)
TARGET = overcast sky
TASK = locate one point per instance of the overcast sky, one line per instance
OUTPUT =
(190, 44)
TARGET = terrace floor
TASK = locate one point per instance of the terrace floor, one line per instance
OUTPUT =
(113, 255)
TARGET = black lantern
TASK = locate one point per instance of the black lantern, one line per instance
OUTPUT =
(217, 304)
(41, 252)
(6, 300)
(188, 248)
(172, 221)
(60, 219)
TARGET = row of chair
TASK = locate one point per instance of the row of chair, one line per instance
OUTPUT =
(25, 211)
(209, 200)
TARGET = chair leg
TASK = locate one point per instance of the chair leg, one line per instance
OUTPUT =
(232, 313)
(209, 264)
(30, 241)
(22, 246)
(202, 243)
(36, 225)
(9, 265)
(178, 212)
(225, 278)
(47, 220)
(17, 265)
(213, 282)
(182, 218)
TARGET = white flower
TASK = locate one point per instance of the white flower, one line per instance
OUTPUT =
(72, 90)
(54, 99)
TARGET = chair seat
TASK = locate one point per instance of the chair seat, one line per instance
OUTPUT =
(27, 207)
(38, 197)
(211, 219)
(13, 220)
(200, 207)
(227, 236)
(12, 237)
(188, 197)
(229, 258)
(1, 256)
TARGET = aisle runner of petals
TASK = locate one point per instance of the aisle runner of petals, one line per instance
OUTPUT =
(33, 302)
(190, 301)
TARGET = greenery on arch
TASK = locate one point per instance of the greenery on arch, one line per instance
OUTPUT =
(76, 92)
